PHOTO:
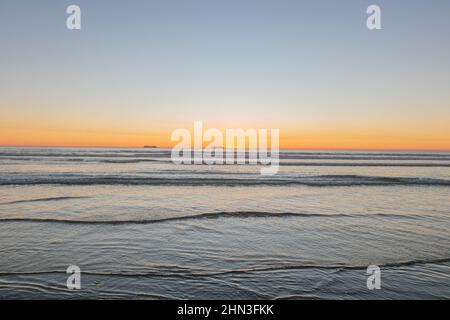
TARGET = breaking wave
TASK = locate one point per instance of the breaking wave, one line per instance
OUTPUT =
(315, 181)
(212, 215)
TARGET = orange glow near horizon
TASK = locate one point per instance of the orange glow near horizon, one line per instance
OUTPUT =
(333, 138)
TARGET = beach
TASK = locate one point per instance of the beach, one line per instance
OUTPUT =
(140, 226)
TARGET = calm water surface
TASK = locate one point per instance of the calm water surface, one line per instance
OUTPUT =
(139, 226)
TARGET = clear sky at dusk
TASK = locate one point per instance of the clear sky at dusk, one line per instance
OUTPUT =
(137, 70)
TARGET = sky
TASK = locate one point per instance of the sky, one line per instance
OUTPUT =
(137, 70)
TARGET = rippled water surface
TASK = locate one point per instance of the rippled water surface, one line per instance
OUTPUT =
(140, 226)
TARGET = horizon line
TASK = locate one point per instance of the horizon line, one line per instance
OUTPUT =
(167, 147)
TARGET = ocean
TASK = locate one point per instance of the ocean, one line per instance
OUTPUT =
(141, 227)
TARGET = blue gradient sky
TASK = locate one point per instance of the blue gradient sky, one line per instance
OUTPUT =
(139, 69)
